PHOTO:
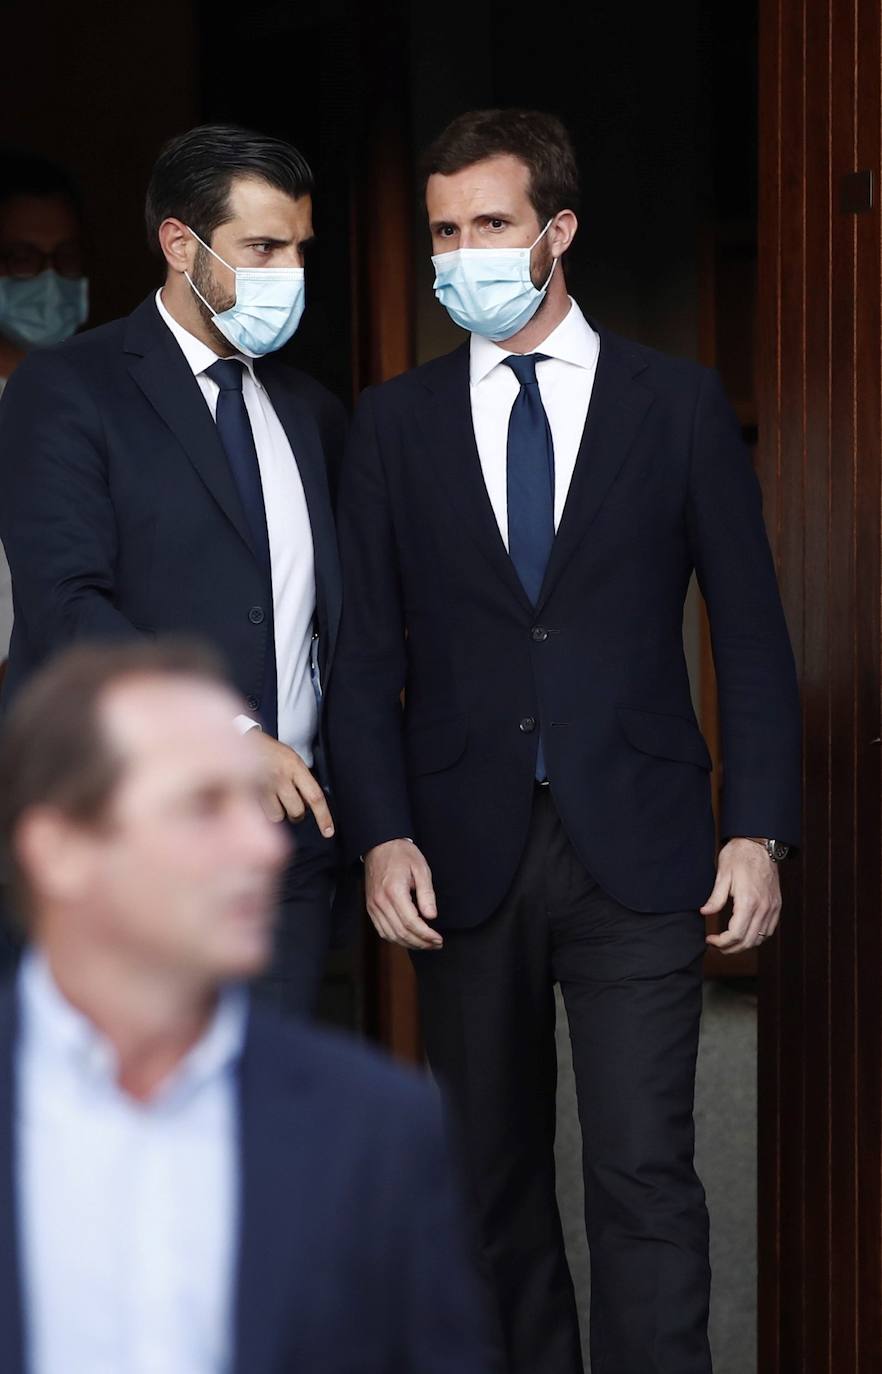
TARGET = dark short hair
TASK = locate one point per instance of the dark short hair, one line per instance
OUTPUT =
(540, 141)
(26, 174)
(53, 747)
(194, 172)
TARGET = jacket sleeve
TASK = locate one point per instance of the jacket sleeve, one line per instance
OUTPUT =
(57, 520)
(364, 716)
(756, 676)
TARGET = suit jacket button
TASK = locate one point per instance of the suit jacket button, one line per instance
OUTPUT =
(538, 634)
(527, 725)
(252, 703)
(255, 615)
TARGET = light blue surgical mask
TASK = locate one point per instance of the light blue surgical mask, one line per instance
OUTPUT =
(489, 291)
(267, 310)
(42, 310)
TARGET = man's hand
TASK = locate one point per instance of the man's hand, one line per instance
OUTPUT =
(290, 787)
(398, 888)
(747, 875)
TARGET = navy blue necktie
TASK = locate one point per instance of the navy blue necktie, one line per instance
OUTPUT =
(234, 432)
(530, 487)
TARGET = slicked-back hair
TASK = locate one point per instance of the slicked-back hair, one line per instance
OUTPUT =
(194, 172)
(26, 174)
(540, 141)
(54, 750)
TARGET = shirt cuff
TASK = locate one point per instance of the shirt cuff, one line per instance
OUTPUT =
(244, 723)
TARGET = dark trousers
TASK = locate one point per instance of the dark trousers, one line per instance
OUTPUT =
(303, 930)
(632, 986)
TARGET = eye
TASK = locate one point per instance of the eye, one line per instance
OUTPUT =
(497, 223)
(447, 231)
(263, 248)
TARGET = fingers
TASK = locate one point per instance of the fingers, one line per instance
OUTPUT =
(400, 899)
(754, 920)
(272, 807)
(720, 895)
(301, 791)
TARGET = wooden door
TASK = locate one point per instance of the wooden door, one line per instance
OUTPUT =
(820, 375)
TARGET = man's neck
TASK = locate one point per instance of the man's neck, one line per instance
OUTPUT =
(183, 306)
(150, 1017)
(553, 310)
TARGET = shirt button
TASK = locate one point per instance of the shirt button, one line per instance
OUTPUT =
(255, 615)
(538, 634)
(527, 725)
(252, 703)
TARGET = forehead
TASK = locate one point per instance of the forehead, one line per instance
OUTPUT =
(176, 733)
(46, 221)
(259, 208)
(494, 183)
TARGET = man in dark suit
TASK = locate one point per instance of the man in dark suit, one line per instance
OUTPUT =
(519, 522)
(189, 1183)
(166, 473)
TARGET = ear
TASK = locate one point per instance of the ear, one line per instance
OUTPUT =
(178, 245)
(561, 232)
(54, 854)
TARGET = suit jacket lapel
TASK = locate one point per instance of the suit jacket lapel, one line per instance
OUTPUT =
(449, 434)
(11, 1320)
(618, 407)
(163, 374)
(303, 434)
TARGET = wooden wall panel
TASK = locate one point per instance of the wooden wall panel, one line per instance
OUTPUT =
(819, 389)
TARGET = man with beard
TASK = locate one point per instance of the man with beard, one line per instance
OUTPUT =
(165, 473)
(519, 522)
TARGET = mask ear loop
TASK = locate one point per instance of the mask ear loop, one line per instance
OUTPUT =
(530, 249)
(193, 287)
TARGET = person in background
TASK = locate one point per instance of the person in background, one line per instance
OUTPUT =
(44, 291)
(188, 1182)
(165, 473)
(519, 522)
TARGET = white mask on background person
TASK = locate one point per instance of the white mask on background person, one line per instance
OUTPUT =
(268, 307)
(489, 291)
(43, 310)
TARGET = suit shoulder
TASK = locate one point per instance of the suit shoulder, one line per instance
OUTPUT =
(78, 357)
(316, 395)
(668, 369)
(417, 380)
(351, 1075)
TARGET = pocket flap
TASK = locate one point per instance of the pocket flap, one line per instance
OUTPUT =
(435, 745)
(665, 737)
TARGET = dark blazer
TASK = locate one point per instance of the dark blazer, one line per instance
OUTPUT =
(119, 512)
(663, 485)
(351, 1258)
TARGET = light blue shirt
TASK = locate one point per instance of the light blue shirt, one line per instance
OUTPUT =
(128, 1210)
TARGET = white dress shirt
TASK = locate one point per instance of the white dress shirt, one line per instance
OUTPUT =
(566, 381)
(292, 555)
(128, 1210)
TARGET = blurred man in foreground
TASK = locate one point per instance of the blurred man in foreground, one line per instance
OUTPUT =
(188, 1184)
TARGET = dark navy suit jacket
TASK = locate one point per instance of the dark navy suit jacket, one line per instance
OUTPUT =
(663, 486)
(118, 508)
(351, 1258)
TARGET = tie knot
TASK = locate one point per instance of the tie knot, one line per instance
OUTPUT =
(523, 365)
(227, 372)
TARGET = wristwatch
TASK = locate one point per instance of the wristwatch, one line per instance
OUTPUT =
(776, 851)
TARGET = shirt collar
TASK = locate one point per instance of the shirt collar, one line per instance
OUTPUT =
(54, 1027)
(199, 356)
(572, 341)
